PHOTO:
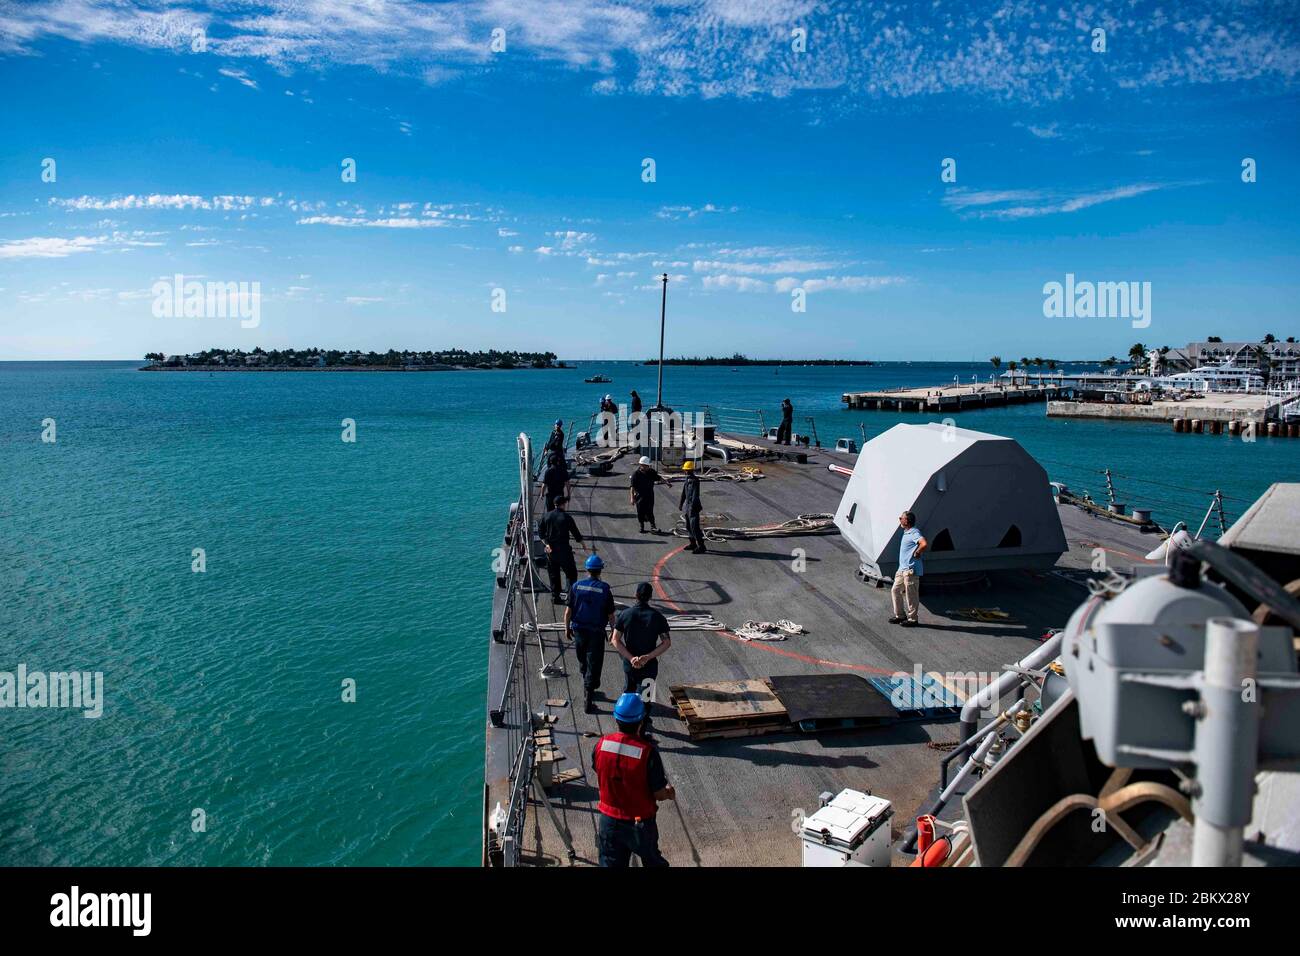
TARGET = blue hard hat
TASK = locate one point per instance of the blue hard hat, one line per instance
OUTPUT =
(558, 423)
(629, 709)
(594, 563)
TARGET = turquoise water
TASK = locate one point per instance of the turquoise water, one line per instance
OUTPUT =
(327, 561)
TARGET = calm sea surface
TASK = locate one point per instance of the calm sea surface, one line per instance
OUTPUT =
(327, 561)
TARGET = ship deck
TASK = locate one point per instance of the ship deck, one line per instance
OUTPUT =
(739, 796)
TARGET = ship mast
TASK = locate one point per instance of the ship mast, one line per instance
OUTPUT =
(663, 308)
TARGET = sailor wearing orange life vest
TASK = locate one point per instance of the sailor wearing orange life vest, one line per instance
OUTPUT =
(632, 781)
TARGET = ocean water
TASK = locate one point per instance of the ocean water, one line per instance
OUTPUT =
(329, 561)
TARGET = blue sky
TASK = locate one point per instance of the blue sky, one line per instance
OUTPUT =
(521, 170)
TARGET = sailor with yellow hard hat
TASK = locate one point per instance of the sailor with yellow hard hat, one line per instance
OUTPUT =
(691, 506)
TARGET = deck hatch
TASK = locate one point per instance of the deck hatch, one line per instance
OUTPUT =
(830, 701)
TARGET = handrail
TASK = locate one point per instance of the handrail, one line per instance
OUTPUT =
(521, 773)
(733, 419)
(514, 710)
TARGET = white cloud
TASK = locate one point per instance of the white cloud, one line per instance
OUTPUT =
(840, 283)
(1013, 204)
(165, 201)
(571, 239)
(42, 247)
(361, 221)
(734, 283)
(775, 267)
(996, 49)
(240, 76)
(690, 212)
(48, 248)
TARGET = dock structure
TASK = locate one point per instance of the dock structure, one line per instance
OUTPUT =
(948, 398)
(1213, 407)
(740, 793)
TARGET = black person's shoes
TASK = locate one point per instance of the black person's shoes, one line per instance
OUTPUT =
(896, 620)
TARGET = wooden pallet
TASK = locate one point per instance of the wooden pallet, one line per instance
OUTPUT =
(736, 708)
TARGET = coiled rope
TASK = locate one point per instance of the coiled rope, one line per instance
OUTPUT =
(800, 525)
(713, 473)
(768, 630)
(1109, 586)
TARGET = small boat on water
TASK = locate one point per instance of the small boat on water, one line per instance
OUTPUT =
(598, 380)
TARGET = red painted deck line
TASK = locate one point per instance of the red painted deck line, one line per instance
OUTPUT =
(758, 645)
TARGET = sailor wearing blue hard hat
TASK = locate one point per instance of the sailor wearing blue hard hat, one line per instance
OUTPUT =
(632, 782)
(590, 611)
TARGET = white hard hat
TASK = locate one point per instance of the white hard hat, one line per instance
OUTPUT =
(644, 460)
(608, 396)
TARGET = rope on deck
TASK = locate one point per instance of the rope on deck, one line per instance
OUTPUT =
(768, 630)
(676, 622)
(714, 473)
(800, 525)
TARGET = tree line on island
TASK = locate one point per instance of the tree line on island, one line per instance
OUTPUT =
(738, 359)
(355, 359)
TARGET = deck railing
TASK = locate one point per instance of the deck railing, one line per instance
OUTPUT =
(1172, 502)
(514, 713)
(741, 421)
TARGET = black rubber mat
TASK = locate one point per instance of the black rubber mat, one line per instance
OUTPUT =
(817, 699)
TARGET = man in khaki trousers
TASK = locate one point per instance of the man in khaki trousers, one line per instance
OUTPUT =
(907, 580)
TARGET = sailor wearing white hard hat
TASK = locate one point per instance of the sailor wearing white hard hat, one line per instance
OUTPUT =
(642, 492)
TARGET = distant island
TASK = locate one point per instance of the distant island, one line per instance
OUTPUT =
(277, 360)
(738, 359)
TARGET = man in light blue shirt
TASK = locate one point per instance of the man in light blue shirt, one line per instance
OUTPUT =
(907, 580)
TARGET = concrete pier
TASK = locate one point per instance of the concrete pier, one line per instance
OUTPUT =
(947, 398)
(1214, 407)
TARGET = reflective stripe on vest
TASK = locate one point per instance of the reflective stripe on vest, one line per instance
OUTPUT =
(623, 770)
(627, 750)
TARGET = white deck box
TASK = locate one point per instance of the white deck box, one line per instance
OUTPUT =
(851, 830)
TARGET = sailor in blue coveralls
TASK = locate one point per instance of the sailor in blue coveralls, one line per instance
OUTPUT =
(590, 611)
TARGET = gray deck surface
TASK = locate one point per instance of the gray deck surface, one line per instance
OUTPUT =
(739, 796)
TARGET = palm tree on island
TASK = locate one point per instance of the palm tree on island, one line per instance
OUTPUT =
(1137, 354)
